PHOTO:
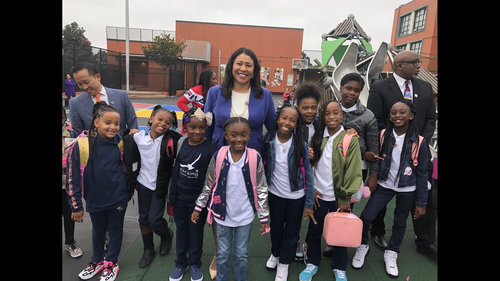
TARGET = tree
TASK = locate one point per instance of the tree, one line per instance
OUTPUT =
(76, 47)
(164, 51)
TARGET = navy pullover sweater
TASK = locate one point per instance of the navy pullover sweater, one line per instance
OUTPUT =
(104, 185)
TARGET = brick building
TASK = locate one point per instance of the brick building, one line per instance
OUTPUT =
(415, 28)
(209, 45)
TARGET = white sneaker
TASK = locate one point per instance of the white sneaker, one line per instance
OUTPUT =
(391, 266)
(359, 257)
(281, 272)
(272, 262)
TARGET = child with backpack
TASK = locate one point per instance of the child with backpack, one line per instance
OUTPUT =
(291, 186)
(237, 188)
(149, 157)
(337, 176)
(402, 173)
(96, 173)
(188, 177)
(69, 225)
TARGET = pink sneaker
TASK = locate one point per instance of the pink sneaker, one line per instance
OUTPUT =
(110, 271)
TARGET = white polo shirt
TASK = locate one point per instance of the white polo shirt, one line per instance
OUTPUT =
(394, 169)
(323, 177)
(149, 150)
(280, 182)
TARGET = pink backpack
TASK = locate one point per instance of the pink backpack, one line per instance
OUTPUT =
(363, 191)
(342, 229)
(251, 158)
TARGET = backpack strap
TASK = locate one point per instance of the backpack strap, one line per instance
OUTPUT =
(120, 148)
(382, 132)
(345, 143)
(414, 148)
(169, 150)
(221, 154)
(83, 146)
(179, 144)
(252, 163)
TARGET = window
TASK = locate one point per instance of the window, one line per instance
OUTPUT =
(419, 23)
(401, 47)
(416, 46)
(404, 25)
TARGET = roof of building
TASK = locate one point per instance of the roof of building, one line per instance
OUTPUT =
(347, 27)
(243, 25)
(429, 77)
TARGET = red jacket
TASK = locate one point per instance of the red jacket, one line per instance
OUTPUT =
(194, 96)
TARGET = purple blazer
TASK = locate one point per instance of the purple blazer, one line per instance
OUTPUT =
(261, 111)
(70, 87)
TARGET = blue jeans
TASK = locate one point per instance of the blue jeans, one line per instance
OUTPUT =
(225, 235)
(378, 200)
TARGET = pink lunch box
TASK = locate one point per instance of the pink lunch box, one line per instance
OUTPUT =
(342, 229)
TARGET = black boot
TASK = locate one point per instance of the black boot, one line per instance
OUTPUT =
(149, 251)
(166, 236)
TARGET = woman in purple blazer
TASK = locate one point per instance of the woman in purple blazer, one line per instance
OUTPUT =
(69, 86)
(241, 95)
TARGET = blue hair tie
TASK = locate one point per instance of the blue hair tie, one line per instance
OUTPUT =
(148, 129)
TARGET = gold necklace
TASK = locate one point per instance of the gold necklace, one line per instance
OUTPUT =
(245, 108)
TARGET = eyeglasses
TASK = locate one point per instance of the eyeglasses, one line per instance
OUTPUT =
(416, 62)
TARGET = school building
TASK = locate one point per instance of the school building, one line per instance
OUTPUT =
(415, 28)
(209, 46)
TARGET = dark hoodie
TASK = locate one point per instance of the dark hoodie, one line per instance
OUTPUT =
(104, 185)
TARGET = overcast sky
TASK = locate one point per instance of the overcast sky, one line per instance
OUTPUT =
(314, 16)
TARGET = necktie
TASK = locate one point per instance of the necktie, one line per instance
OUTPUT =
(407, 94)
(98, 97)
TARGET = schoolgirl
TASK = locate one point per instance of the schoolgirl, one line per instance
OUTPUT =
(144, 151)
(291, 187)
(336, 179)
(400, 175)
(238, 190)
(188, 178)
(105, 187)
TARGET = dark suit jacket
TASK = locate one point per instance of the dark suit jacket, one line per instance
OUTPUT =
(80, 110)
(384, 93)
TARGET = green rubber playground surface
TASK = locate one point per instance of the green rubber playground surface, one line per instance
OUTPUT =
(412, 265)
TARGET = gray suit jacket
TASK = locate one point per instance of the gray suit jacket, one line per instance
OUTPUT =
(385, 92)
(80, 110)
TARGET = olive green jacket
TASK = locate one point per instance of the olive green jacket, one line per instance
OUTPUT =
(346, 171)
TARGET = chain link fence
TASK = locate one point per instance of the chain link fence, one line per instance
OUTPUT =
(144, 75)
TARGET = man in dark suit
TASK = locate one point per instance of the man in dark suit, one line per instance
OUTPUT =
(403, 84)
(88, 79)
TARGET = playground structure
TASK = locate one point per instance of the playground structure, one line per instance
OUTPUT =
(347, 49)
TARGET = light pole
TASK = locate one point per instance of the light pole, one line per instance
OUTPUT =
(126, 47)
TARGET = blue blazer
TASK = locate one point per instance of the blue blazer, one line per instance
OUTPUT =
(261, 111)
(80, 110)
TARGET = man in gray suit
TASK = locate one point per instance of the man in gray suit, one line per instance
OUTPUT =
(88, 79)
(403, 84)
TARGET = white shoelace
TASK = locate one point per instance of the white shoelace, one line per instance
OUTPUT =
(341, 274)
(310, 268)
